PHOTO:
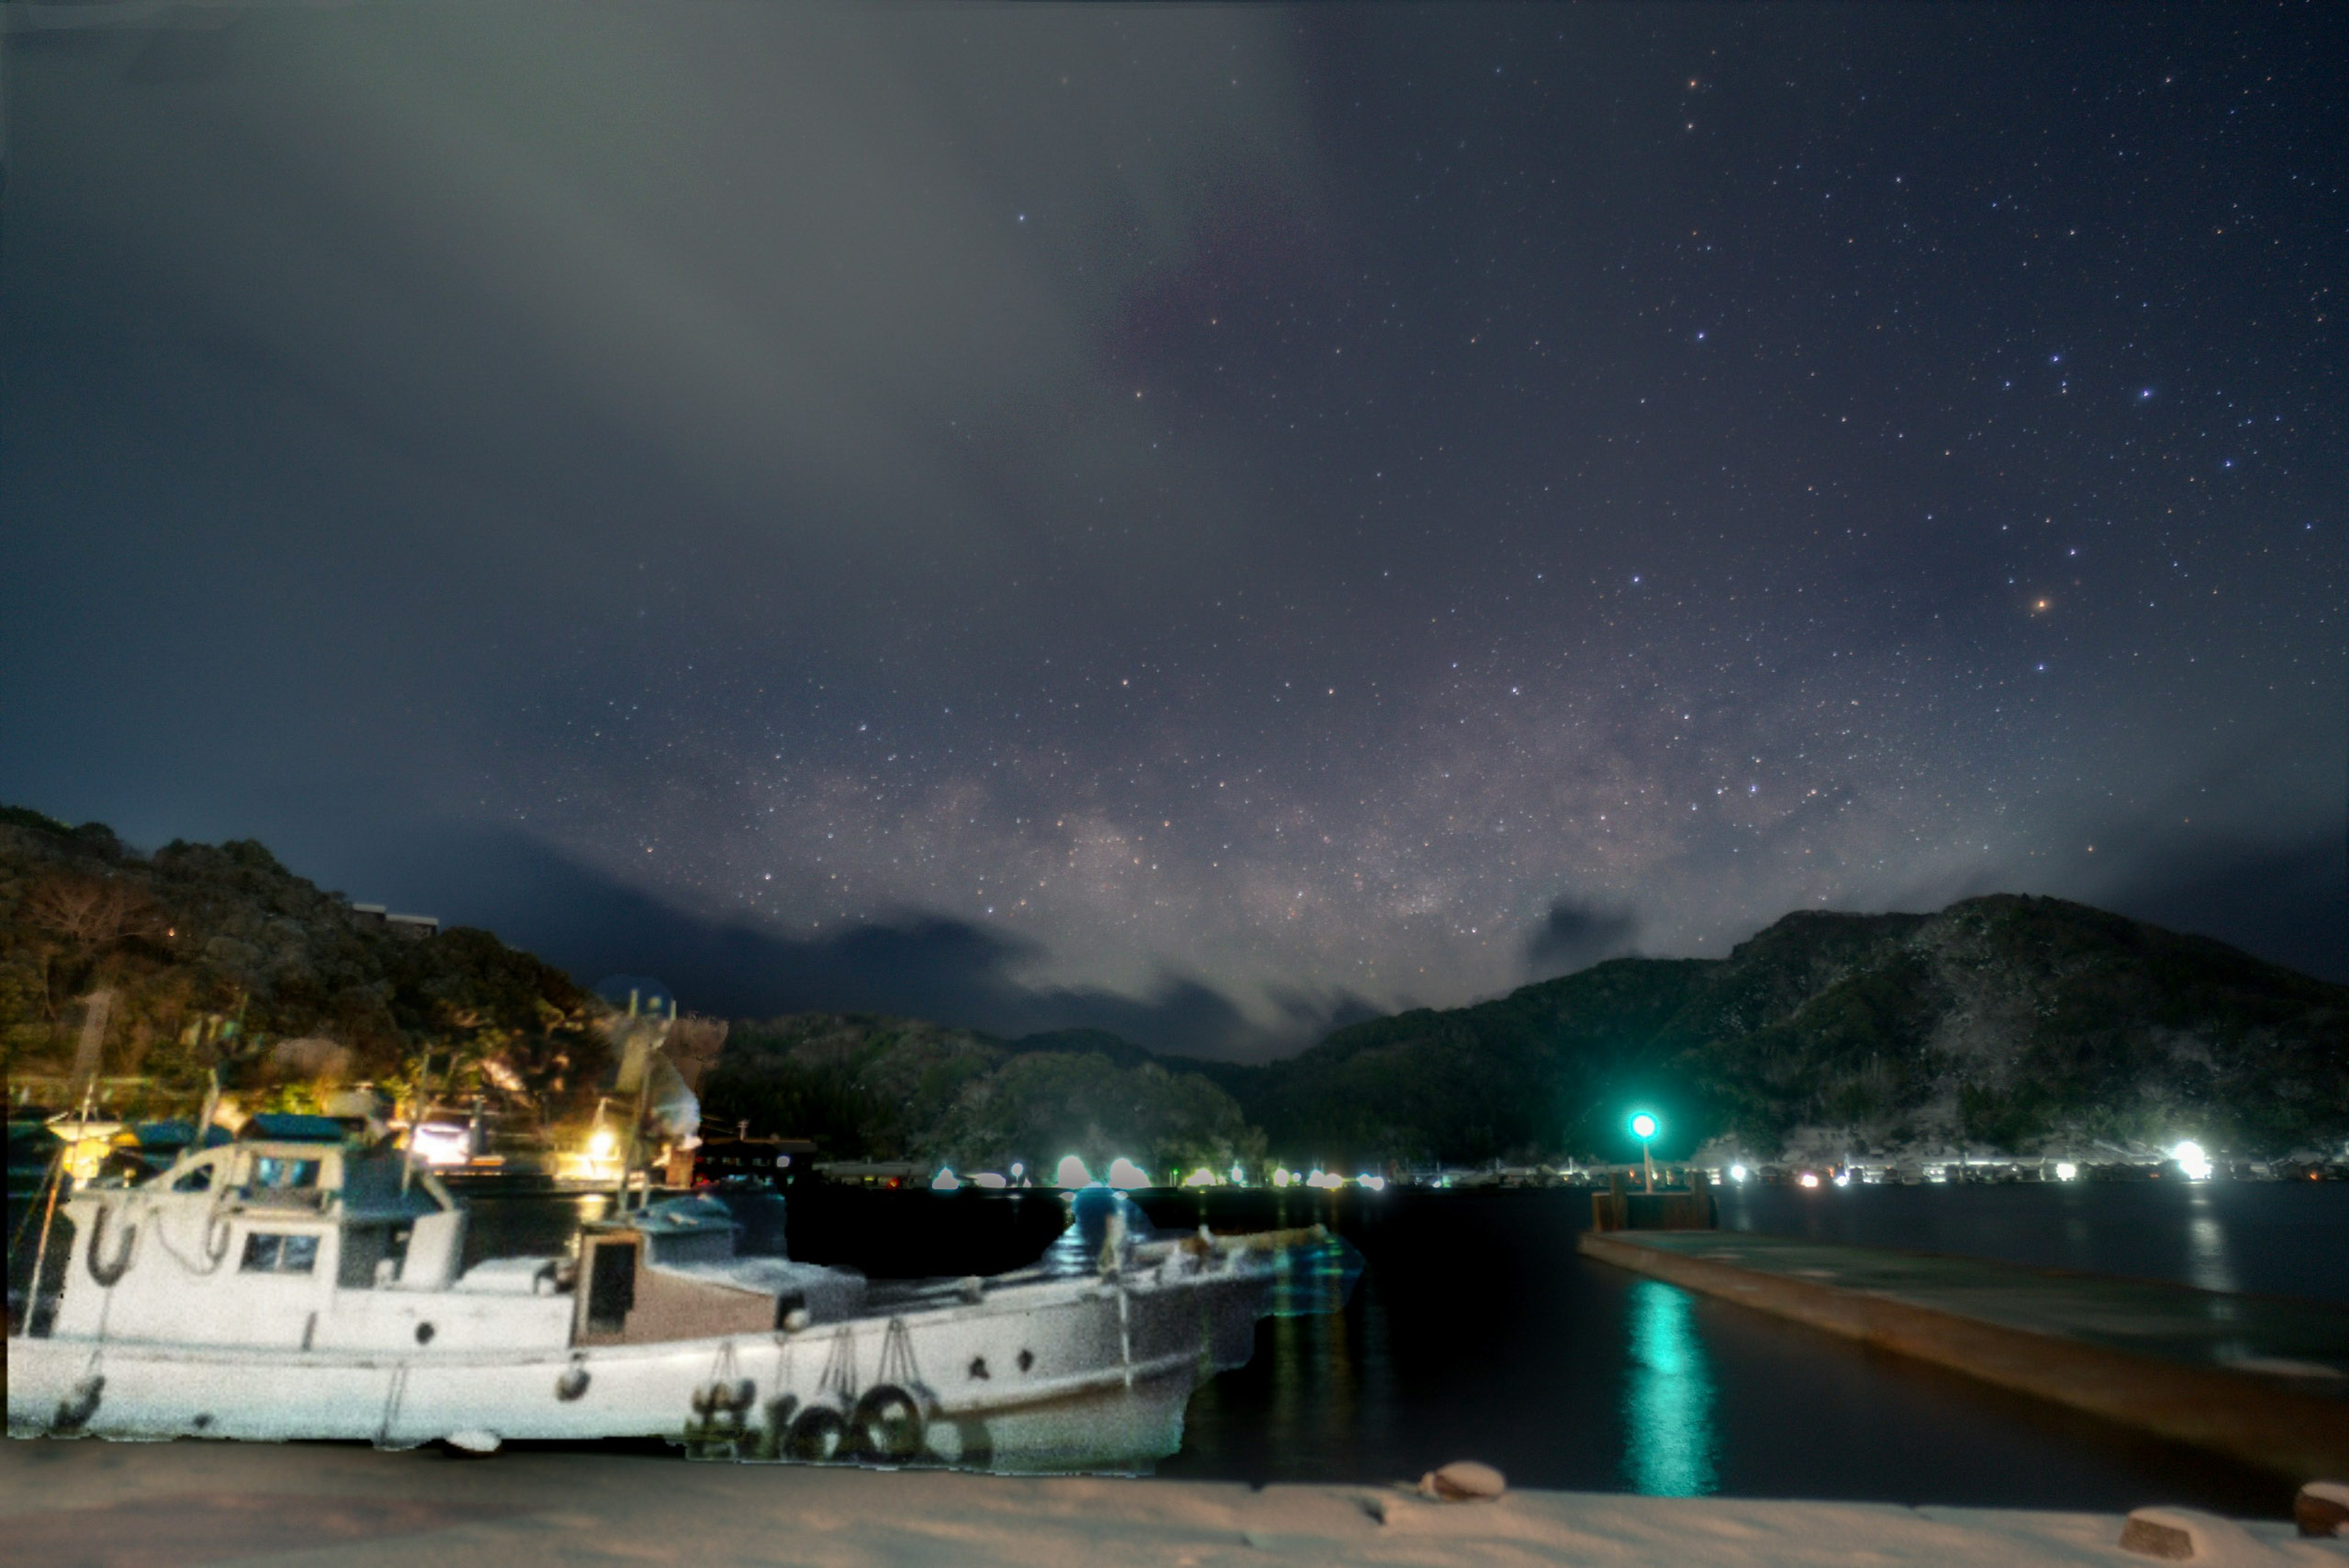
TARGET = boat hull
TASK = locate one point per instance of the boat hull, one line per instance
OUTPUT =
(1045, 1376)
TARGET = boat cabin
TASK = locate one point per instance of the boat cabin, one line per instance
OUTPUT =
(311, 1245)
(293, 1243)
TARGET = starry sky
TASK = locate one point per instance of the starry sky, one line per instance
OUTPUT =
(1206, 522)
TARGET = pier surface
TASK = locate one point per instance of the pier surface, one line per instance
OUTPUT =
(2262, 1378)
(161, 1505)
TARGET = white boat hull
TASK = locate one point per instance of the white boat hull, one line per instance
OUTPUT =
(1044, 1374)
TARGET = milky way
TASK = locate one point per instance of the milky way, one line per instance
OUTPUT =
(1206, 522)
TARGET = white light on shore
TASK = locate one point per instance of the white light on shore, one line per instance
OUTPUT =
(1808, 1179)
(1737, 1173)
(1125, 1175)
(2192, 1160)
(1072, 1173)
(2066, 1171)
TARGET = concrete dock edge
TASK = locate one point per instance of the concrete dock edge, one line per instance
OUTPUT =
(2293, 1434)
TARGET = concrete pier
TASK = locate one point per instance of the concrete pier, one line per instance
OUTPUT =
(163, 1505)
(2263, 1379)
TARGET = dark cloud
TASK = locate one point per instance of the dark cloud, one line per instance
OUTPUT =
(1220, 512)
(1576, 934)
(919, 966)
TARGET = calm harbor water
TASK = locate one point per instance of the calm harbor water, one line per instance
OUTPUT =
(1478, 1331)
(2267, 1238)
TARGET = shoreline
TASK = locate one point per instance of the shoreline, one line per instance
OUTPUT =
(2141, 1353)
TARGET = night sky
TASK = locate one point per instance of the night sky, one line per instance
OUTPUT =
(1200, 522)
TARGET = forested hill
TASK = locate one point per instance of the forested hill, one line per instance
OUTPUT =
(216, 955)
(2007, 1021)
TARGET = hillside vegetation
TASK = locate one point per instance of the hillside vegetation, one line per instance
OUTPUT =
(895, 1088)
(2004, 1021)
(218, 956)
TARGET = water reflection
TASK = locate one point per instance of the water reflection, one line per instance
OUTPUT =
(2207, 1263)
(1668, 1398)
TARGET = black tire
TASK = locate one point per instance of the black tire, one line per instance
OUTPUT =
(818, 1435)
(887, 1425)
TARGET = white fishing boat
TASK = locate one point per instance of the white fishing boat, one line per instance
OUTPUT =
(300, 1290)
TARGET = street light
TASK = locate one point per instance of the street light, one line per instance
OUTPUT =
(1643, 1128)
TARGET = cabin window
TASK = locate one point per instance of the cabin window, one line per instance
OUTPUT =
(270, 1251)
(272, 1170)
(611, 1286)
(200, 1180)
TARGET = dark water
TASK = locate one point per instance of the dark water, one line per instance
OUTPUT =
(2267, 1238)
(1478, 1331)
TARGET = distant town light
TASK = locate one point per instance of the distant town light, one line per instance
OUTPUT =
(945, 1180)
(1737, 1173)
(1643, 1126)
(2066, 1171)
(1202, 1177)
(438, 1143)
(1280, 1177)
(1843, 1178)
(2192, 1160)
(1375, 1183)
(1072, 1173)
(1808, 1179)
(1125, 1175)
(1018, 1170)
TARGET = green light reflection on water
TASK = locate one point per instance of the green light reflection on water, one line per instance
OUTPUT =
(1668, 1398)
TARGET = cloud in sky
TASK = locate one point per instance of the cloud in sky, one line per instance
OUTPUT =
(1234, 516)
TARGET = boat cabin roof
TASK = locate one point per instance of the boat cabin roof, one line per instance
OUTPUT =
(359, 1186)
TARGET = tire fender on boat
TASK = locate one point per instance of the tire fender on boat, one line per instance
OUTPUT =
(888, 1424)
(573, 1383)
(723, 1399)
(819, 1432)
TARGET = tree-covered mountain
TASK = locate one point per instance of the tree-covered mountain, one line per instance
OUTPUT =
(2004, 1021)
(217, 955)
(900, 1088)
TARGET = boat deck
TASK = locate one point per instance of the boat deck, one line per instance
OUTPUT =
(2265, 1379)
